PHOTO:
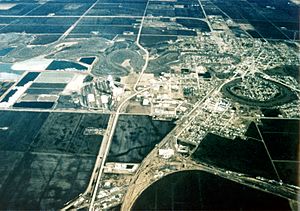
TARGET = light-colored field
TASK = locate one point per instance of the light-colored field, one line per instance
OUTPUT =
(136, 108)
(6, 6)
(75, 85)
(46, 98)
(35, 64)
(54, 77)
(9, 76)
(126, 63)
(296, 1)
(29, 98)
(72, 6)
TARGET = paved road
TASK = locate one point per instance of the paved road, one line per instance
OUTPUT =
(107, 139)
(204, 13)
(77, 22)
(93, 186)
(142, 48)
(99, 16)
(104, 149)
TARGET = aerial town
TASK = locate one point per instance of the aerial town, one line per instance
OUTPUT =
(149, 105)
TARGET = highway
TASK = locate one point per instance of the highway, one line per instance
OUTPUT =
(104, 149)
(92, 189)
(103, 152)
(76, 23)
(108, 137)
(206, 18)
(142, 48)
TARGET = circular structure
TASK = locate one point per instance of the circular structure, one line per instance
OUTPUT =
(199, 190)
(259, 92)
(119, 60)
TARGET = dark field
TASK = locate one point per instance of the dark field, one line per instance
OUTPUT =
(64, 133)
(289, 172)
(245, 156)
(175, 9)
(45, 21)
(34, 104)
(27, 78)
(20, 9)
(32, 29)
(281, 138)
(252, 131)
(8, 95)
(42, 91)
(46, 88)
(45, 158)
(271, 112)
(105, 27)
(43, 181)
(135, 137)
(118, 9)
(193, 24)
(23, 127)
(271, 19)
(106, 36)
(61, 9)
(4, 86)
(109, 21)
(110, 30)
(6, 20)
(163, 31)
(150, 41)
(48, 85)
(197, 190)
(270, 31)
(254, 34)
(46, 29)
(52, 25)
(64, 65)
(88, 60)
